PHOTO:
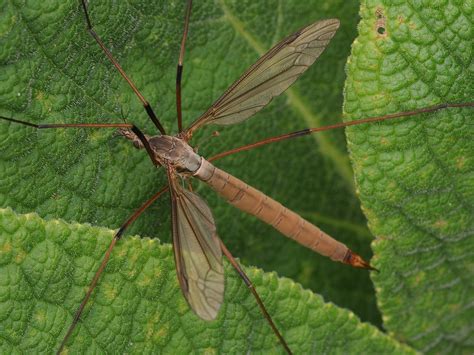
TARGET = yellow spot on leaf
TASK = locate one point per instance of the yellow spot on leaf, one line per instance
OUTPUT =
(96, 135)
(420, 277)
(40, 316)
(6, 248)
(20, 256)
(110, 291)
(156, 317)
(391, 186)
(441, 224)
(461, 162)
(44, 100)
(144, 282)
(156, 331)
(122, 252)
(39, 96)
(162, 333)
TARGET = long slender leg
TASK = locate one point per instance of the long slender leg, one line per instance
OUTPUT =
(116, 64)
(307, 131)
(179, 70)
(104, 262)
(131, 127)
(252, 289)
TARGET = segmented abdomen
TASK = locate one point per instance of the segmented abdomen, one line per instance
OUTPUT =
(255, 202)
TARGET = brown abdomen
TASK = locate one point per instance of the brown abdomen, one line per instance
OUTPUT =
(255, 202)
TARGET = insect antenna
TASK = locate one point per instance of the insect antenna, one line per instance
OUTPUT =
(116, 64)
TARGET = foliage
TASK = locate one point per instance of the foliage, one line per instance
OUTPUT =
(52, 71)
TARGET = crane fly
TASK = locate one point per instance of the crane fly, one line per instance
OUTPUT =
(198, 250)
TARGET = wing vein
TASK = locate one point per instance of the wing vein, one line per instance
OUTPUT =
(261, 82)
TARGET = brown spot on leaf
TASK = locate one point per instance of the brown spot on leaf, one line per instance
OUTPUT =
(380, 23)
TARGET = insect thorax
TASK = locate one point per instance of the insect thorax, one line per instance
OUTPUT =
(175, 151)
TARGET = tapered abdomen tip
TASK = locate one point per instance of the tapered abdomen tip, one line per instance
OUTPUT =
(356, 260)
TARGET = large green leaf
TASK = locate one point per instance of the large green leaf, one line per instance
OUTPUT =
(52, 71)
(138, 307)
(416, 176)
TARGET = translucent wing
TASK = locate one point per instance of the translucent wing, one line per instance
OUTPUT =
(197, 252)
(272, 74)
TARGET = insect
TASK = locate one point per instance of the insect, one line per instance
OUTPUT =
(191, 216)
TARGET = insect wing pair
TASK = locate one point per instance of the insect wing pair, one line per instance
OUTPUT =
(196, 244)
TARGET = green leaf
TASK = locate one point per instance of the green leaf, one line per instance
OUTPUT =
(415, 176)
(136, 309)
(51, 70)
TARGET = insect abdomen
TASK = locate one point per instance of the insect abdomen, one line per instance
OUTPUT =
(255, 202)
